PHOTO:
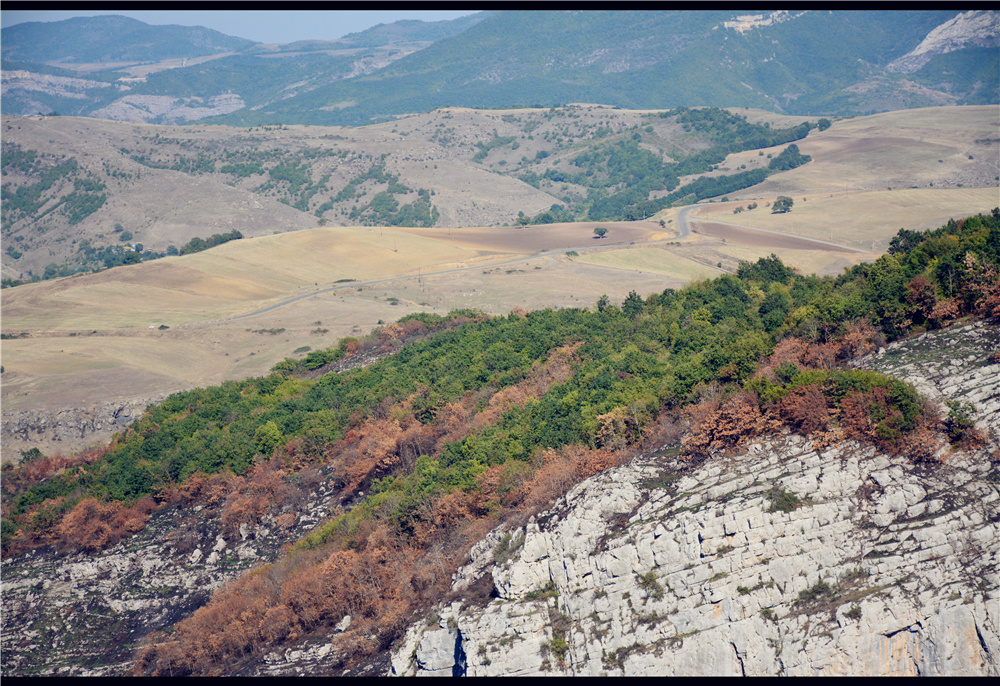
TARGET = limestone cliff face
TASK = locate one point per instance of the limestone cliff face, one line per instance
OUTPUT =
(785, 559)
(885, 568)
(70, 429)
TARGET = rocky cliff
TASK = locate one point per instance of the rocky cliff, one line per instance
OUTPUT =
(68, 430)
(786, 558)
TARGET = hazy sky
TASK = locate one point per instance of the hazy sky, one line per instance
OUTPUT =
(264, 26)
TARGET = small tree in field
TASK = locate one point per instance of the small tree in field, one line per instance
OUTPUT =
(782, 204)
(600, 232)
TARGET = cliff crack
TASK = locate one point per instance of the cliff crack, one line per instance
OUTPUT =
(736, 652)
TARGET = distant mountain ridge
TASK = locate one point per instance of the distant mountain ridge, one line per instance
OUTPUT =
(111, 38)
(802, 63)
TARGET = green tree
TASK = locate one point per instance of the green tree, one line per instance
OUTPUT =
(632, 305)
(600, 232)
(267, 437)
(782, 204)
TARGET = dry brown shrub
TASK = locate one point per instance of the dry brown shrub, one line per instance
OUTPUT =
(737, 419)
(375, 454)
(788, 350)
(560, 471)
(19, 478)
(805, 410)
(264, 487)
(945, 310)
(860, 339)
(870, 417)
(92, 526)
(822, 356)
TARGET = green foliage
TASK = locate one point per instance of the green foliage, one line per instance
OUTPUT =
(782, 501)
(790, 158)
(198, 244)
(650, 584)
(497, 142)
(782, 204)
(627, 364)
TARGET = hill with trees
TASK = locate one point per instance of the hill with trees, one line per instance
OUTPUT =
(805, 63)
(471, 420)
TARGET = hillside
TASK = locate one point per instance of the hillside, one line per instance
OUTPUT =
(81, 355)
(871, 62)
(795, 557)
(111, 38)
(78, 192)
(421, 438)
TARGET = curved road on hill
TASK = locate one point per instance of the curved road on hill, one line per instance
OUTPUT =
(684, 230)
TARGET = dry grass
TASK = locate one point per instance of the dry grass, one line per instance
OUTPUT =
(126, 359)
(924, 148)
(651, 259)
(856, 219)
(819, 262)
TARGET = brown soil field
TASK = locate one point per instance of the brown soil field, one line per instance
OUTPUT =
(532, 239)
(759, 239)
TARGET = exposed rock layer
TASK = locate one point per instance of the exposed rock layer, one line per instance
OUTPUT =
(870, 564)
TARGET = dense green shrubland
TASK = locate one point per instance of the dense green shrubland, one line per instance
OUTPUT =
(629, 363)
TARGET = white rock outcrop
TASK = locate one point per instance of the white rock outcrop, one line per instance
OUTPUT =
(784, 559)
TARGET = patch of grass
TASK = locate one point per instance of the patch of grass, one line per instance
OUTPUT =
(783, 501)
(507, 547)
(650, 585)
(818, 591)
(548, 591)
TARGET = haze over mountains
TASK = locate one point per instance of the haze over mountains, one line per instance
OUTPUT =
(798, 63)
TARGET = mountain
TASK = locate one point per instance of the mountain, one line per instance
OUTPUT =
(810, 62)
(407, 30)
(111, 38)
(804, 63)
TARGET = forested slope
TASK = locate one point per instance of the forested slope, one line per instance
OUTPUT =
(475, 420)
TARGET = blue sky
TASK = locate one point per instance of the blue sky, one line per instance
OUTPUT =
(266, 26)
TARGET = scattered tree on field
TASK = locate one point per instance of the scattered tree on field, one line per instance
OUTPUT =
(782, 204)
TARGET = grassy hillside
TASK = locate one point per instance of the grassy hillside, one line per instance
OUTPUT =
(108, 186)
(474, 419)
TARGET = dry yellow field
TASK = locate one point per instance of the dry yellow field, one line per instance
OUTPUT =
(235, 278)
(939, 147)
(857, 219)
(651, 259)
